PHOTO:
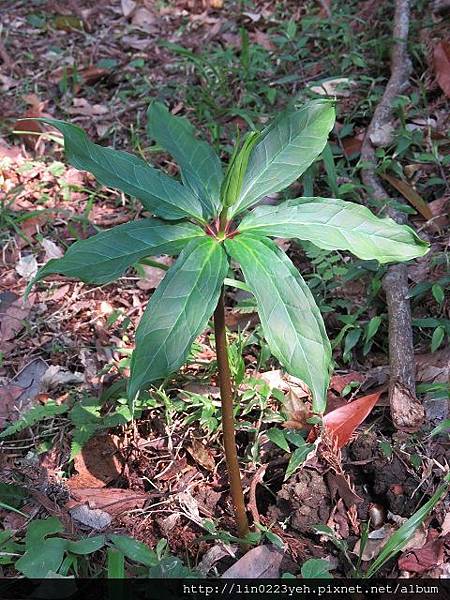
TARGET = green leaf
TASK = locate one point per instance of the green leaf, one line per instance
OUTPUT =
(316, 568)
(177, 312)
(116, 564)
(438, 293)
(444, 426)
(334, 224)
(398, 539)
(38, 530)
(297, 459)
(159, 193)
(201, 169)
(39, 560)
(437, 338)
(171, 567)
(276, 436)
(13, 495)
(104, 257)
(134, 550)
(286, 149)
(87, 546)
(35, 415)
(291, 321)
(372, 327)
(351, 339)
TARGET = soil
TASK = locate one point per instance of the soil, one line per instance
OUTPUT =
(304, 500)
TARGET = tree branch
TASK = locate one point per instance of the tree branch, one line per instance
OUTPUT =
(406, 410)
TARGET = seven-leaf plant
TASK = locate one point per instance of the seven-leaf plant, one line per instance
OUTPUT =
(200, 219)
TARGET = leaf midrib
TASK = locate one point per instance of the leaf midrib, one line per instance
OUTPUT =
(256, 227)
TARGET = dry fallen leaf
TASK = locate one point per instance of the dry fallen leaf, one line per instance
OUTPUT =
(82, 107)
(91, 517)
(339, 382)
(13, 153)
(27, 267)
(143, 19)
(377, 539)
(419, 560)
(262, 562)
(408, 192)
(128, 7)
(113, 501)
(352, 145)
(56, 375)
(201, 454)
(51, 249)
(154, 275)
(340, 86)
(441, 61)
(20, 393)
(261, 38)
(36, 109)
(440, 209)
(12, 316)
(97, 464)
(9, 395)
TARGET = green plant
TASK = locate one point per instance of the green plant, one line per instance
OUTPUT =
(43, 555)
(201, 220)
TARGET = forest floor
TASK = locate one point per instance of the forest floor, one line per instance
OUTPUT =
(71, 450)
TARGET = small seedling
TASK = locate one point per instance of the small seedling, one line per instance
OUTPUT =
(203, 220)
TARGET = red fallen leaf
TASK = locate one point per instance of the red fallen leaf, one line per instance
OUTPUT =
(35, 110)
(343, 421)
(338, 382)
(352, 145)
(97, 465)
(419, 560)
(441, 61)
(8, 396)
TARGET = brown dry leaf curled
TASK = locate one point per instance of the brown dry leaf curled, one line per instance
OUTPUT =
(408, 192)
(97, 464)
(111, 500)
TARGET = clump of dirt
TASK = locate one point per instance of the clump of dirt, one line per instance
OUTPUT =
(388, 479)
(305, 500)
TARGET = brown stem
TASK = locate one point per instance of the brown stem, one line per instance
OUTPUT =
(229, 441)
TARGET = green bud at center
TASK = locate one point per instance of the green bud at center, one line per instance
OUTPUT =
(232, 183)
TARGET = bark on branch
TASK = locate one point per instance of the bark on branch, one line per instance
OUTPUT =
(406, 411)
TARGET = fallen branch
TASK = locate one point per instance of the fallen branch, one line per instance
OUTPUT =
(406, 410)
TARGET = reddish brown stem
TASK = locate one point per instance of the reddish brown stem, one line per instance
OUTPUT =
(229, 441)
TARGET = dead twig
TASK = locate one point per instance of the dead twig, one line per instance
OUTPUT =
(252, 505)
(406, 411)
